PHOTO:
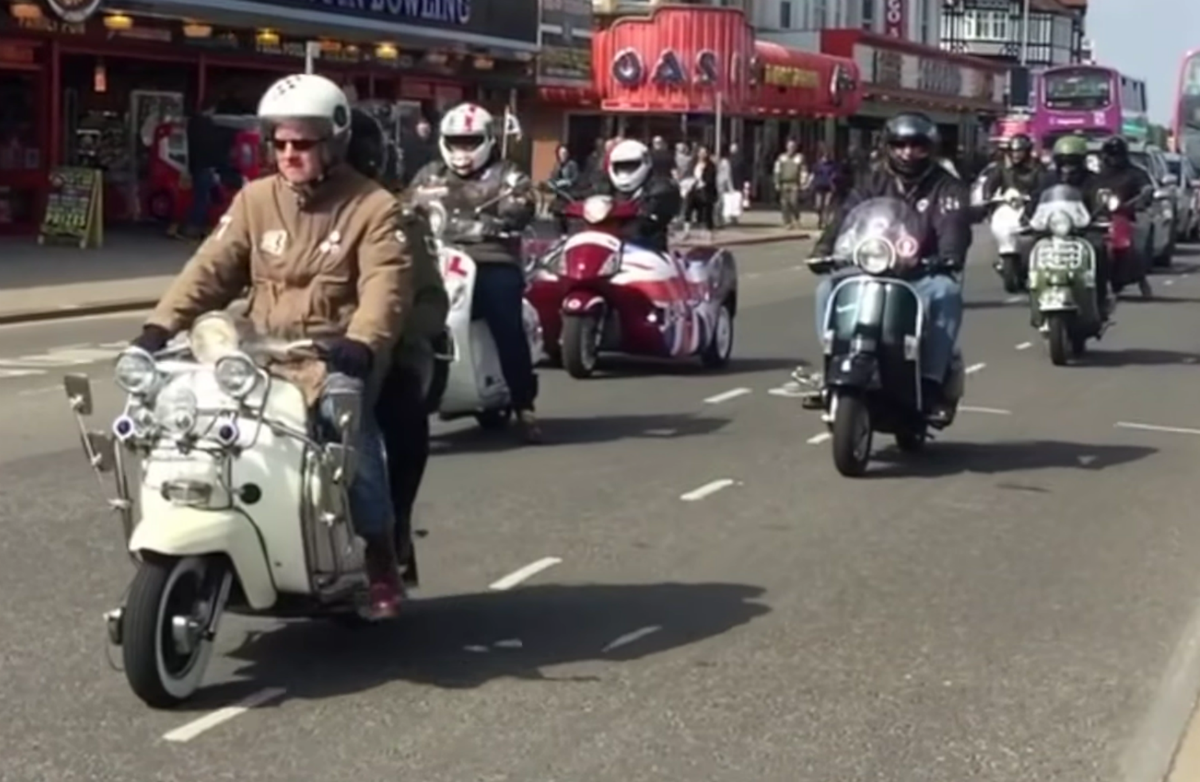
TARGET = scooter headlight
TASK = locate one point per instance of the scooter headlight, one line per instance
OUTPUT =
(1060, 224)
(136, 372)
(1114, 203)
(437, 218)
(875, 255)
(176, 409)
(596, 209)
(236, 375)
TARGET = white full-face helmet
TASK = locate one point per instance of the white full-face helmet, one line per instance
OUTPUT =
(466, 138)
(310, 98)
(629, 165)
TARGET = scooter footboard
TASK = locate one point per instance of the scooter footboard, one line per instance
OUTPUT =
(193, 532)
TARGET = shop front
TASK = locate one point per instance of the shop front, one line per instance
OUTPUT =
(698, 74)
(962, 94)
(564, 84)
(83, 86)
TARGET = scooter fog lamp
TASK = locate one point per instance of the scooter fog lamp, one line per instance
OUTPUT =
(1114, 203)
(236, 375)
(136, 372)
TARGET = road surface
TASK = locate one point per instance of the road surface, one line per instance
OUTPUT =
(711, 601)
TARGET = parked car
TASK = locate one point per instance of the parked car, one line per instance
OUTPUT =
(1159, 220)
(1187, 211)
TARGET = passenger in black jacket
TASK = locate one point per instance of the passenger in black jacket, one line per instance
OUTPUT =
(632, 177)
(939, 204)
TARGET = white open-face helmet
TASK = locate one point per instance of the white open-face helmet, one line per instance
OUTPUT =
(466, 138)
(310, 98)
(628, 165)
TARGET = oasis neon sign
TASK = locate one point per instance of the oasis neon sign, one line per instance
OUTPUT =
(629, 69)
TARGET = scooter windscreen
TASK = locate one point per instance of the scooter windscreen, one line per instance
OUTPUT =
(880, 235)
(1061, 211)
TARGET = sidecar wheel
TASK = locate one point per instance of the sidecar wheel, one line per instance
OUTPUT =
(165, 645)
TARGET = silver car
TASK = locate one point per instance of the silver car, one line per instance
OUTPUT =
(1187, 209)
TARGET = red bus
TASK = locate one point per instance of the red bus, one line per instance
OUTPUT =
(1187, 108)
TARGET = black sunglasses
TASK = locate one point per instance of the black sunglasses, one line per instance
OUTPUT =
(298, 144)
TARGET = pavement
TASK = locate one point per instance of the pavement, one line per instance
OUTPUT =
(133, 269)
(711, 602)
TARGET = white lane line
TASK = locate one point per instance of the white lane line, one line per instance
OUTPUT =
(1168, 282)
(790, 389)
(753, 275)
(39, 391)
(517, 576)
(733, 393)
(661, 432)
(475, 649)
(707, 489)
(975, 368)
(511, 643)
(209, 721)
(629, 638)
(816, 439)
(1155, 428)
(986, 410)
(1025, 346)
(1014, 299)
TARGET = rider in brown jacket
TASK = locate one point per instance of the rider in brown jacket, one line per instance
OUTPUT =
(321, 249)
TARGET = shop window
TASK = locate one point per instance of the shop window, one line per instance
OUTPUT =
(21, 153)
(868, 14)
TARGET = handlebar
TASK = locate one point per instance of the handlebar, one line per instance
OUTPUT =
(826, 264)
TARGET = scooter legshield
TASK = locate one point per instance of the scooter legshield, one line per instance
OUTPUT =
(880, 318)
(188, 532)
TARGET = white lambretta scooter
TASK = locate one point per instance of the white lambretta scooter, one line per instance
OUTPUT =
(475, 383)
(1007, 223)
(238, 504)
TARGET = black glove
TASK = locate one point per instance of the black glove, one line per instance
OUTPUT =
(152, 339)
(350, 357)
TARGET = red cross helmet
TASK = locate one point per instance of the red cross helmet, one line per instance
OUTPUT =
(466, 138)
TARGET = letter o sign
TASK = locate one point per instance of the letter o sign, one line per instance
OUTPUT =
(893, 17)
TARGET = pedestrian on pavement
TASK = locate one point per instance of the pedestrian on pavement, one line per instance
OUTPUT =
(209, 148)
(789, 170)
(661, 158)
(702, 200)
(730, 178)
(824, 175)
(564, 180)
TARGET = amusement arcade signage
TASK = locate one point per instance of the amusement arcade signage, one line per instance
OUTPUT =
(670, 70)
(510, 20)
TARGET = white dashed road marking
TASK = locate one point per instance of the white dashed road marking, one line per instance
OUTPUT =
(629, 638)
(975, 368)
(1025, 346)
(986, 410)
(530, 570)
(194, 728)
(819, 438)
(1155, 428)
(726, 396)
(707, 489)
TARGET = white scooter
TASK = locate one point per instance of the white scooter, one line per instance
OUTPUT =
(238, 505)
(475, 383)
(1007, 222)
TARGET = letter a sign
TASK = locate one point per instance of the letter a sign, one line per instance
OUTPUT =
(895, 18)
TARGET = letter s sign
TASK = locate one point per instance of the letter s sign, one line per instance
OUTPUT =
(895, 18)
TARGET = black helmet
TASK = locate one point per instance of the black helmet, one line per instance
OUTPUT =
(368, 152)
(915, 129)
(1115, 149)
(1020, 143)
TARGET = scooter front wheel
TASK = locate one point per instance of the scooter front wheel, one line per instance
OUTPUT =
(580, 345)
(851, 436)
(166, 625)
(1060, 339)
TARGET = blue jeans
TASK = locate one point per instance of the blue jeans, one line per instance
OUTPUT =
(942, 296)
(203, 181)
(370, 499)
(499, 301)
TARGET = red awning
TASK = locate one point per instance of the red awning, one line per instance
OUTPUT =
(793, 82)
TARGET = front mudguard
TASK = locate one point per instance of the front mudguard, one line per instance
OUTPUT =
(189, 532)
(578, 303)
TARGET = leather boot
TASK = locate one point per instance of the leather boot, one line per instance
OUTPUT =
(383, 594)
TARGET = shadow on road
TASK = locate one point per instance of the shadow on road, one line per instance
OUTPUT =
(554, 625)
(636, 367)
(955, 458)
(578, 431)
(991, 304)
(1138, 357)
